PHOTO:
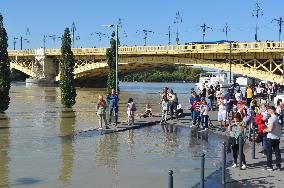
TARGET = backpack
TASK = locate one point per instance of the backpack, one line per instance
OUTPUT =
(133, 107)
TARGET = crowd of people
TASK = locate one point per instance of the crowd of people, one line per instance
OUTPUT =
(240, 112)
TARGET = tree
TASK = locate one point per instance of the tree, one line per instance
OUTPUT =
(5, 80)
(110, 55)
(68, 91)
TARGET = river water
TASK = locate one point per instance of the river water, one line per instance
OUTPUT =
(38, 147)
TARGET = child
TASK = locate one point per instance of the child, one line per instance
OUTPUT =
(148, 111)
(131, 108)
(204, 116)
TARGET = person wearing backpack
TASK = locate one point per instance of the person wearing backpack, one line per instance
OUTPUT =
(131, 108)
(101, 112)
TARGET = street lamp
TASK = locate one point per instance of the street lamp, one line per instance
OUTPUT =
(177, 20)
(169, 35)
(257, 12)
(14, 42)
(279, 22)
(145, 33)
(226, 29)
(116, 55)
(204, 27)
(73, 29)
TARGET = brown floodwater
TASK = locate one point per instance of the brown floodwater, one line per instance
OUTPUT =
(38, 147)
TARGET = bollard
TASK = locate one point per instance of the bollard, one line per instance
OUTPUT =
(240, 152)
(253, 142)
(202, 170)
(171, 179)
(224, 164)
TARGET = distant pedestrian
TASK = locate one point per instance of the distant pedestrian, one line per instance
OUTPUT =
(273, 139)
(101, 112)
(165, 109)
(249, 95)
(222, 113)
(210, 97)
(131, 108)
(192, 98)
(204, 116)
(236, 129)
(113, 106)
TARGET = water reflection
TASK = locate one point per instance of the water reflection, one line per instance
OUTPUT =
(67, 123)
(4, 150)
(107, 148)
(130, 143)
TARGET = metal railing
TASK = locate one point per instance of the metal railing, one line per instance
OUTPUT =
(171, 49)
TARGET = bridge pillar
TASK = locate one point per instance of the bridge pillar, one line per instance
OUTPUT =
(44, 70)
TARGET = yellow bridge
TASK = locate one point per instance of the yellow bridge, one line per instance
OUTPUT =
(262, 60)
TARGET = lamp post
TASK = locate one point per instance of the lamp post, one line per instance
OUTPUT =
(204, 27)
(116, 55)
(279, 22)
(73, 29)
(226, 29)
(177, 20)
(169, 35)
(257, 12)
(15, 42)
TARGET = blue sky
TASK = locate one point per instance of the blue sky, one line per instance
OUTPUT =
(50, 17)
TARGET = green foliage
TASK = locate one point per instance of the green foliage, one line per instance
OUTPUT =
(5, 80)
(176, 74)
(68, 91)
(110, 55)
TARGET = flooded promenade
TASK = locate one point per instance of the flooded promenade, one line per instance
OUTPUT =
(39, 147)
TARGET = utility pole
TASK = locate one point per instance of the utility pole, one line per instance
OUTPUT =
(204, 27)
(279, 22)
(226, 29)
(257, 12)
(73, 29)
(169, 35)
(177, 21)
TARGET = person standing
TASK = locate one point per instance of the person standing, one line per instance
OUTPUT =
(165, 109)
(172, 103)
(222, 115)
(131, 108)
(113, 106)
(192, 99)
(249, 95)
(210, 97)
(101, 112)
(273, 139)
(236, 130)
(204, 116)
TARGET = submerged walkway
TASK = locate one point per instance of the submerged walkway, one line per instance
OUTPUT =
(253, 176)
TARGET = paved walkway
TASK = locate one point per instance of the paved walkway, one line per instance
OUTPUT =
(253, 176)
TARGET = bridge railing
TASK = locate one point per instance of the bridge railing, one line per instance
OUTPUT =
(168, 49)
